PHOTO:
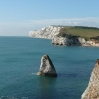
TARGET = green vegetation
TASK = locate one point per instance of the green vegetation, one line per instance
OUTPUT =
(86, 32)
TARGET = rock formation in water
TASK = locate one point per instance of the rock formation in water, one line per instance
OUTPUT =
(92, 91)
(47, 67)
(46, 32)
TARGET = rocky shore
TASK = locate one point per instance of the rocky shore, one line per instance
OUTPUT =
(77, 41)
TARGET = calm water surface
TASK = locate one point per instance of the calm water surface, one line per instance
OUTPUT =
(20, 60)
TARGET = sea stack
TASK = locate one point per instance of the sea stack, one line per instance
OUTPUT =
(92, 91)
(47, 68)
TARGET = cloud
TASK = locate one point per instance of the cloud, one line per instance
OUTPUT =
(15, 28)
(65, 21)
(89, 21)
(23, 27)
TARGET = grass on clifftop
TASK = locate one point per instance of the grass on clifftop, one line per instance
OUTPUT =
(86, 32)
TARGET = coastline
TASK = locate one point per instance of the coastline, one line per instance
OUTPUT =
(52, 33)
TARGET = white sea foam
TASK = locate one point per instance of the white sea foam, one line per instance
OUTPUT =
(34, 73)
(6, 97)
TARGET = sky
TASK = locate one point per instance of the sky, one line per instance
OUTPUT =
(18, 17)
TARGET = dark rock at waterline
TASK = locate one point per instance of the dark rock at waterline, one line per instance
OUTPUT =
(47, 68)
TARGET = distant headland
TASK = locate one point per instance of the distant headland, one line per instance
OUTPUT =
(69, 35)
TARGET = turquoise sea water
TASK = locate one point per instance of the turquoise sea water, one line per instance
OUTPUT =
(20, 61)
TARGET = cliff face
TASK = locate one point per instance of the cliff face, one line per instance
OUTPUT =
(51, 32)
(92, 91)
(46, 32)
(68, 41)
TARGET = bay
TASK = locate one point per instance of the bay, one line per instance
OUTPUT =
(20, 61)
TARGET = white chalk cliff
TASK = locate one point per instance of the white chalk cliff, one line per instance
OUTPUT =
(51, 32)
(46, 32)
(92, 91)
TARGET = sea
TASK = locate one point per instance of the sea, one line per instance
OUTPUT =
(20, 59)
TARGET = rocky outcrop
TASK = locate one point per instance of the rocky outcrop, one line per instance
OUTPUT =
(46, 32)
(47, 67)
(92, 91)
